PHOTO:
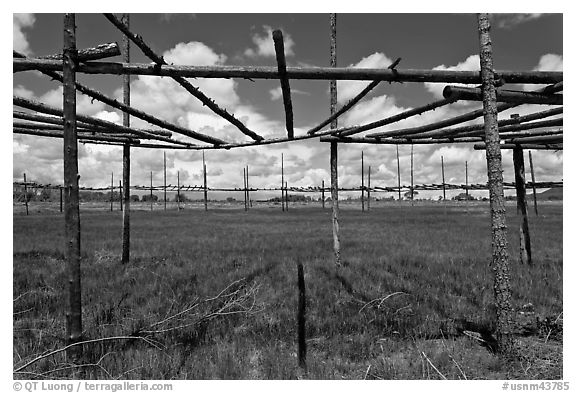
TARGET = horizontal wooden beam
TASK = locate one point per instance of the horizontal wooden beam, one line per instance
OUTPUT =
(308, 73)
(99, 52)
(446, 132)
(80, 135)
(520, 134)
(558, 138)
(397, 141)
(527, 146)
(509, 96)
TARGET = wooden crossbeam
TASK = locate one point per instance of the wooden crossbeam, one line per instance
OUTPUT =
(284, 81)
(509, 96)
(99, 52)
(81, 136)
(160, 63)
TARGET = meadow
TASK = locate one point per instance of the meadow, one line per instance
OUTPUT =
(213, 295)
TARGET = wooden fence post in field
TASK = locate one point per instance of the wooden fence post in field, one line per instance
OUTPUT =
(467, 197)
(248, 188)
(443, 184)
(398, 161)
(286, 194)
(126, 147)
(334, 147)
(26, 195)
(282, 186)
(500, 263)
(165, 177)
(151, 198)
(368, 200)
(71, 195)
(520, 180)
(301, 318)
(61, 201)
(112, 192)
(120, 188)
(323, 197)
(362, 181)
(245, 189)
(533, 182)
(412, 174)
(178, 190)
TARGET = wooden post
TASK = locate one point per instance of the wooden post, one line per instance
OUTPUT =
(412, 174)
(112, 192)
(323, 197)
(500, 265)
(443, 181)
(533, 182)
(282, 186)
(368, 201)
(467, 197)
(398, 161)
(334, 147)
(120, 188)
(61, 202)
(26, 194)
(165, 178)
(245, 189)
(205, 184)
(178, 190)
(126, 148)
(520, 180)
(151, 200)
(286, 194)
(362, 182)
(248, 188)
(301, 318)
(71, 195)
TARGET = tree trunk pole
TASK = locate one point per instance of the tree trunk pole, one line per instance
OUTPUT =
(126, 148)
(120, 188)
(205, 183)
(71, 197)
(368, 200)
(412, 174)
(248, 187)
(165, 178)
(362, 181)
(112, 192)
(443, 180)
(178, 190)
(286, 193)
(520, 180)
(500, 263)
(245, 189)
(467, 197)
(323, 197)
(282, 186)
(398, 161)
(26, 195)
(151, 195)
(533, 182)
(334, 147)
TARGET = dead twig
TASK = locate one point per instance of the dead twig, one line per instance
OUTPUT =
(433, 366)
(381, 300)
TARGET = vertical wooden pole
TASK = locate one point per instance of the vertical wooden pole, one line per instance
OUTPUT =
(398, 161)
(282, 186)
(323, 197)
(500, 264)
(362, 182)
(26, 194)
(467, 197)
(533, 182)
(112, 192)
(151, 199)
(248, 187)
(334, 147)
(368, 201)
(120, 188)
(443, 181)
(71, 196)
(520, 180)
(301, 318)
(412, 174)
(165, 178)
(205, 183)
(245, 189)
(126, 148)
(286, 194)
(61, 202)
(178, 190)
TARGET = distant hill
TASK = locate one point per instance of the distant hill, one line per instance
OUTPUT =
(551, 194)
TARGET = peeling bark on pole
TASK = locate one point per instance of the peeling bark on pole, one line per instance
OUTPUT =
(26, 195)
(520, 181)
(334, 147)
(499, 263)
(533, 183)
(71, 197)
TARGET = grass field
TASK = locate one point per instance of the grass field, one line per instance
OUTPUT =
(429, 266)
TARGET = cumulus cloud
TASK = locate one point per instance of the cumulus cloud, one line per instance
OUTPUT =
(265, 44)
(19, 40)
(276, 93)
(472, 63)
(508, 21)
(349, 89)
(550, 62)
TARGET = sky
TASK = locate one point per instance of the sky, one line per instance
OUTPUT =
(521, 42)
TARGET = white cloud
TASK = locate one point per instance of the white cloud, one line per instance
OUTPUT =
(508, 21)
(265, 44)
(349, 89)
(276, 93)
(550, 62)
(19, 39)
(193, 53)
(472, 63)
